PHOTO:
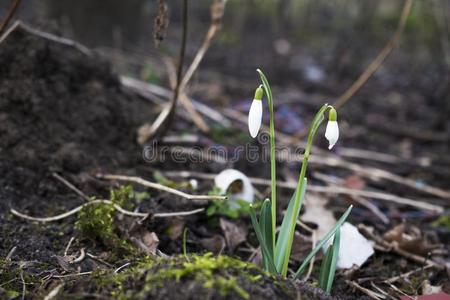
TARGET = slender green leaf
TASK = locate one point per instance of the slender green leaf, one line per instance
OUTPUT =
(328, 268)
(324, 268)
(265, 223)
(184, 241)
(282, 247)
(322, 242)
(265, 250)
(334, 258)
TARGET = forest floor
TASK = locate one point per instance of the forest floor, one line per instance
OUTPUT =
(66, 119)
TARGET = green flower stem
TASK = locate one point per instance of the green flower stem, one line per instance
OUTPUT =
(273, 175)
(298, 200)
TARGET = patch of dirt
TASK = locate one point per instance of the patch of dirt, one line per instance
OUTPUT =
(60, 111)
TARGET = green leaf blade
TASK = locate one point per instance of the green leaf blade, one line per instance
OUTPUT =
(322, 242)
(286, 235)
(264, 249)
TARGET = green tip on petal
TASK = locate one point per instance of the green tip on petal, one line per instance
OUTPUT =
(259, 93)
(332, 115)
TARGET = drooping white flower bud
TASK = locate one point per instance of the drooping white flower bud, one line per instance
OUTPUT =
(255, 113)
(332, 131)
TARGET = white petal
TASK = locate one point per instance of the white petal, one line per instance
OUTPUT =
(255, 117)
(193, 183)
(332, 133)
(354, 248)
(224, 179)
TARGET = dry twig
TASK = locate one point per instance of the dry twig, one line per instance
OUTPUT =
(378, 61)
(54, 292)
(323, 189)
(162, 122)
(117, 207)
(370, 293)
(160, 187)
(71, 186)
(24, 285)
(373, 67)
(396, 249)
(9, 15)
(68, 245)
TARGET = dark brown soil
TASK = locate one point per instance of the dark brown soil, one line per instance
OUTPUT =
(60, 111)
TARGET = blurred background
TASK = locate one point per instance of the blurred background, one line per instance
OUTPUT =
(312, 51)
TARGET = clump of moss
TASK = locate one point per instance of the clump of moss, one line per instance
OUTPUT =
(149, 275)
(443, 221)
(11, 275)
(211, 272)
(97, 221)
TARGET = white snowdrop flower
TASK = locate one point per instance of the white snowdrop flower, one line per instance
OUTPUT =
(332, 131)
(255, 113)
(194, 184)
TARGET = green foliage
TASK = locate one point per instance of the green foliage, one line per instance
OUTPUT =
(161, 179)
(328, 267)
(220, 273)
(323, 241)
(443, 221)
(11, 281)
(276, 254)
(224, 208)
(97, 221)
(225, 135)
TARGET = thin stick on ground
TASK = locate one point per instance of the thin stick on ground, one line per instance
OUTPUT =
(66, 251)
(370, 293)
(10, 253)
(407, 274)
(9, 15)
(323, 189)
(79, 258)
(158, 186)
(54, 292)
(394, 248)
(71, 186)
(162, 122)
(117, 207)
(184, 100)
(24, 285)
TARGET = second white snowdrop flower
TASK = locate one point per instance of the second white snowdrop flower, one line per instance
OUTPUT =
(332, 131)
(255, 113)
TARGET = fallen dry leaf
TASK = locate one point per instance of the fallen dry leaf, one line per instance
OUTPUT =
(215, 244)
(175, 228)
(234, 234)
(428, 289)
(64, 262)
(145, 240)
(410, 238)
(354, 182)
(315, 212)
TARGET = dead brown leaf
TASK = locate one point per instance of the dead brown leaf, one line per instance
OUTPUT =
(175, 228)
(64, 262)
(215, 244)
(317, 213)
(234, 233)
(410, 238)
(355, 182)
